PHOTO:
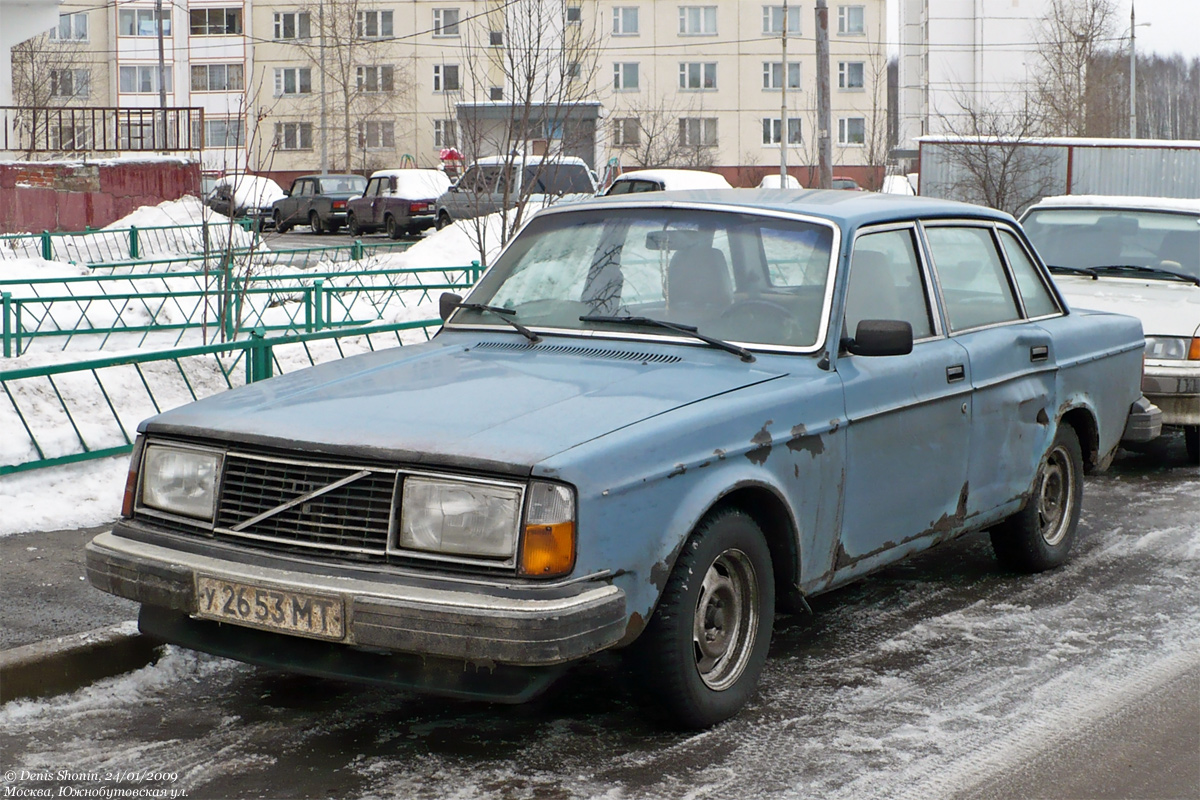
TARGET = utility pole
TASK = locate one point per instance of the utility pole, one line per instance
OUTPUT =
(1132, 75)
(162, 76)
(824, 145)
(783, 115)
(324, 102)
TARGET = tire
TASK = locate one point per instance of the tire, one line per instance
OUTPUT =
(700, 657)
(1039, 536)
(352, 225)
(314, 222)
(280, 226)
(443, 220)
(1191, 439)
(394, 231)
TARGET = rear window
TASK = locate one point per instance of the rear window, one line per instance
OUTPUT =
(559, 179)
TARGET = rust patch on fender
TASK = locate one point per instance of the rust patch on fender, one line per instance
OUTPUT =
(720, 454)
(1042, 419)
(801, 441)
(634, 626)
(679, 470)
(947, 522)
(764, 441)
(843, 558)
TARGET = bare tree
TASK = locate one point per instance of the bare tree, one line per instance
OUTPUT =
(1069, 38)
(877, 140)
(648, 134)
(51, 73)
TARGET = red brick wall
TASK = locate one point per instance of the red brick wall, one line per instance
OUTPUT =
(69, 196)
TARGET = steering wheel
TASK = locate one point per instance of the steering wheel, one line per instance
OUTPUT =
(757, 306)
(764, 320)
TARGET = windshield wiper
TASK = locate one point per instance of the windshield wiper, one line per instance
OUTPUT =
(1183, 276)
(690, 330)
(1074, 270)
(505, 314)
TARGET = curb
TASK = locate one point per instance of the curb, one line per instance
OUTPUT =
(67, 663)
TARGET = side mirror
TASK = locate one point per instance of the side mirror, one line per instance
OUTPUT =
(447, 303)
(881, 337)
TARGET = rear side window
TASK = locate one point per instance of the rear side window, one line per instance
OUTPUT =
(974, 285)
(1038, 301)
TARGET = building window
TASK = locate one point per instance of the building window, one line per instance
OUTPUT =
(574, 71)
(698, 75)
(376, 79)
(140, 80)
(627, 132)
(850, 21)
(445, 22)
(625, 21)
(218, 78)
(496, 93)
(70, 82)
(698, 131)
(496, 38)
(216, 21)
(71, 28)
(625, 76)
(140, 22)
(68, 136)
(376, 135)
(374, 24)
(771, 128)
(852, 131)
(850, 74)
(445, 77)
(445, 133)
(293, 25)
(224, 133)
(773, 75)
(293, 80)
(698, 20)
(293, 135)
(773, 20)
(574, 15)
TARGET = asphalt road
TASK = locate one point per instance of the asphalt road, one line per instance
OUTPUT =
(942, 677)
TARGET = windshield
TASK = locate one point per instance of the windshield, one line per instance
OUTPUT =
(1102, 237)
(738, 277)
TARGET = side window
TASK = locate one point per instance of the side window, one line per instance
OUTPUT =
(974, 285)
(885, 283)
(1038, 301)
(372, 187)
(622, 187)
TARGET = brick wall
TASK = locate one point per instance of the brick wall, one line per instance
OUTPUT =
(69, 196)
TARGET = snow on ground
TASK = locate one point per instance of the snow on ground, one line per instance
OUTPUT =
(89, 493)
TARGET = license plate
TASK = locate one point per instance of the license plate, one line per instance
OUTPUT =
(320, 616)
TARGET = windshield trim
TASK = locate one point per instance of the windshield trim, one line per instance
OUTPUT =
(818, 346)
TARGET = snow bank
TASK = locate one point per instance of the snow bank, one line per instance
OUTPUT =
(186, 210)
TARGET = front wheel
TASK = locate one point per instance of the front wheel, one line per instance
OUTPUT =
(1039, 536)
(352, 224)
(701, 655)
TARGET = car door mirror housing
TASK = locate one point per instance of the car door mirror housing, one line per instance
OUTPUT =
(447, 303)
(881, 337)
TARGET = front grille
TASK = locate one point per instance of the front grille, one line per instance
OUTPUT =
(353, 518)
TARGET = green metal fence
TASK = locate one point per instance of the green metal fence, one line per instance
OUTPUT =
(66, 413)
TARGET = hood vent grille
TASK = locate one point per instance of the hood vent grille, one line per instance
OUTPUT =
(579, 350)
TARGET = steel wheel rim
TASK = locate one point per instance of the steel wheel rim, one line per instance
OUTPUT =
(314, 222)
(725, 624)
(1056, 496)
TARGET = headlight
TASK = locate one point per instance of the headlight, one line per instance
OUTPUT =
(459, 518)
(181, 480)
(1172, 348)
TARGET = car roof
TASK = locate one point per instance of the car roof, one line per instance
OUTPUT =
(694, 178)
(1128, 202)
(331, 175)
(845, 208)
(392, 173)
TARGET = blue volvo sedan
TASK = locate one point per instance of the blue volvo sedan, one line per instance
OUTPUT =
(654, 423)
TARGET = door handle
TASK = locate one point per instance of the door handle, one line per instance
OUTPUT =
(955, 373)
(1039, 352)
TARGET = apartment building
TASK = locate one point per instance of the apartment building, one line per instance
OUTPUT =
(357, 84)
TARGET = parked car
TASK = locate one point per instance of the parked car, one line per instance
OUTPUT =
(399, 201)
(319, 201)
(772, 180)
(496, 182)
(1140, 256)
(651, 424)
(842, 182)
(659, 180)
(244, 196)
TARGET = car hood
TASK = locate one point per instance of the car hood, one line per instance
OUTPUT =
(1165, 307)
(495, 404)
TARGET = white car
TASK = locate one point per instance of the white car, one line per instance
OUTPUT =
(1139, 256)
(772, 181)
(665, 180)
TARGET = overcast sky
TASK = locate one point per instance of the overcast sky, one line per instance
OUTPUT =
(1174, 25)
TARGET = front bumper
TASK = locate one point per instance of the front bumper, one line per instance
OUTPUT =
(466, 620)
(1176, 390)
(1144, 422)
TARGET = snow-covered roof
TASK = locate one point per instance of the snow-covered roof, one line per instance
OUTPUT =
(252, 190)
(1187, 204)
(772, 181)
(677, 178)
(1062, 141)
(416, 183)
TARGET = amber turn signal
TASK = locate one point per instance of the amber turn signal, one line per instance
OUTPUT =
(1194, 349)
(131, 480)
(548, 550)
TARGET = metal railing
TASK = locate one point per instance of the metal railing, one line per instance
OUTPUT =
(66, 413)
(100, 129)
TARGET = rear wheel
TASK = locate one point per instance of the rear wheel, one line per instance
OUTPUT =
(1191, 438)
(443, 220)
(314, 222)
(701, 655)
(1039, 536)
(394, 231)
